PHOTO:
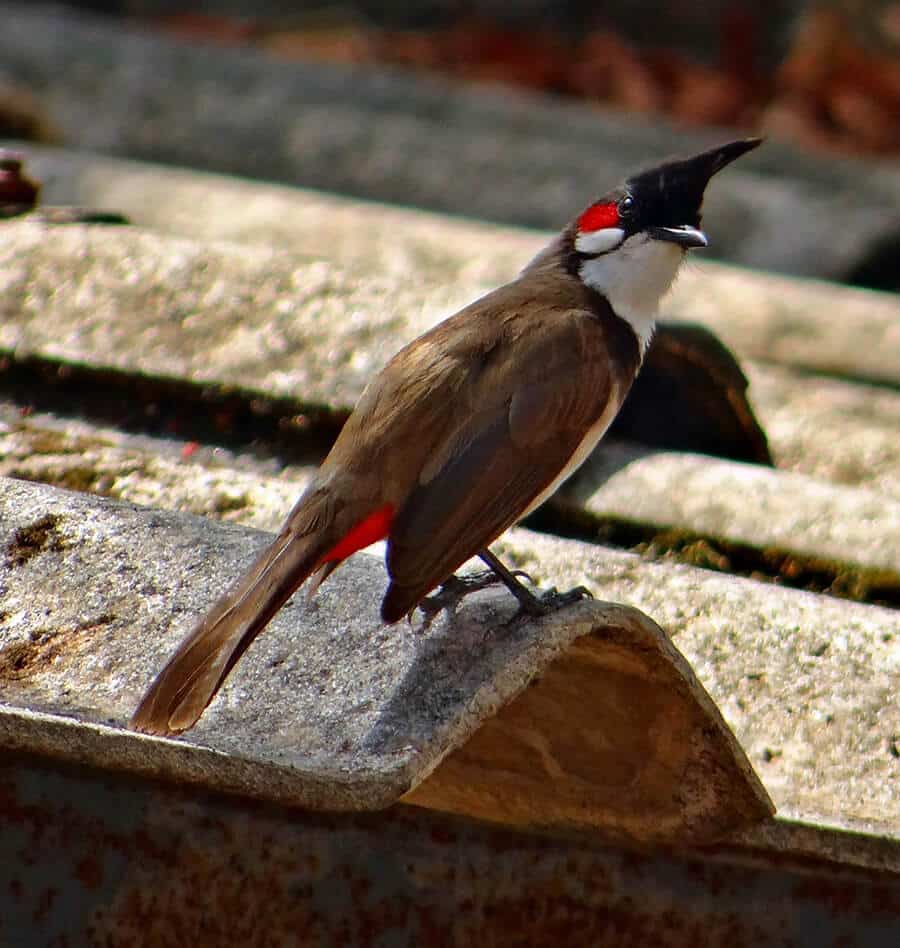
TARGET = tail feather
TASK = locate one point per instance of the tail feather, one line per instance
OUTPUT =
(193, 675)
(399, 601)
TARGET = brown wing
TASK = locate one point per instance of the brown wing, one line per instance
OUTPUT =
(549, 383)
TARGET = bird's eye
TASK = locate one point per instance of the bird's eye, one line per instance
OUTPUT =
(626, 205)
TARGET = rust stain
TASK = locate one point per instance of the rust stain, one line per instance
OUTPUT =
(217, 871)
(21, 660)
(89, 872)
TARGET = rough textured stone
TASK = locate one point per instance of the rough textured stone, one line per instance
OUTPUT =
(153, 472)
(349, 714)
(743, 503)
(807, 682)
(252, 316)
(820, 327)
(736, 503)
(832, 429)
(244, 316)
(816, 425)
(389, 135)
(364, 236)
(249, 316)
(814, 326)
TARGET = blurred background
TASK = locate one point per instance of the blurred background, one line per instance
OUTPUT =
(825, 74)
(509, 112)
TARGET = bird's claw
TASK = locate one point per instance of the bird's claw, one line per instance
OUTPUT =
(455, 588)
(556, 600)
(553, 599)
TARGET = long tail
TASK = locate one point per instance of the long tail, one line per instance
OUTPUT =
(193, 675)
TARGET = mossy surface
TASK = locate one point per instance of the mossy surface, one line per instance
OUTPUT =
(814, 574)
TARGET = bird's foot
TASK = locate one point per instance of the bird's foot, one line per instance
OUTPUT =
(551, 600)
(452, 591)
(529, 603)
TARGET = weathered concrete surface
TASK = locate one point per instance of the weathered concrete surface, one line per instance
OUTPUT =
(830, 429)
(369, 237)
(808, 683)
(739, 503)
(351, 714)
(318, 331)
(392, 136)
(228, 314)
(744, 503)
(76, 455)
(251, 317)
(819, 426)
(814, 326)
(809, 325)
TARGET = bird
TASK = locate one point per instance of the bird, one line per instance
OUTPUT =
(469, 427)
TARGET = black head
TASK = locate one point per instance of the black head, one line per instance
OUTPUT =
(664, 202)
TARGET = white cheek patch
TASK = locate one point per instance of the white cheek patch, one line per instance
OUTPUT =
(599, 241)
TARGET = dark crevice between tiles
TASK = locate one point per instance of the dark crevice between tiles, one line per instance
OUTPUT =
(229, 417)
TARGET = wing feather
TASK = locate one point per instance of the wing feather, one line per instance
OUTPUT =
(490, 468)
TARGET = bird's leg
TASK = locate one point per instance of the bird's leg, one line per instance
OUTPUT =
(529, 603)
(455, 588)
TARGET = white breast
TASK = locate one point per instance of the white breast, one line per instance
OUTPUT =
(634, 279)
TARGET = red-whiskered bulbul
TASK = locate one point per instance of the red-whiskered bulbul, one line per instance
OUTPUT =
(469, 427)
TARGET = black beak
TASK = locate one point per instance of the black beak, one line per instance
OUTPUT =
(685, 236)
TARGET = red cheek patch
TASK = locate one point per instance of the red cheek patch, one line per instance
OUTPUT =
(598, 217)
(374, 527)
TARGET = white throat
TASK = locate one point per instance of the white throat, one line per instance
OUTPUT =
(634, 278)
